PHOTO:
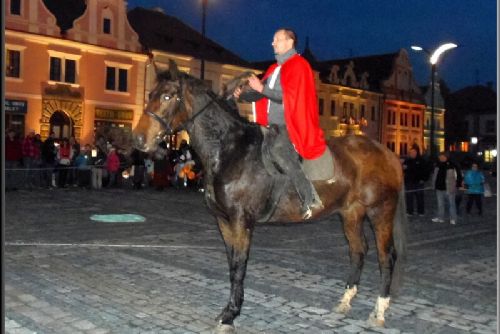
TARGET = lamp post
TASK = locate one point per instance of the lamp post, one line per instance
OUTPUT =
(433, 58)
(203, 22)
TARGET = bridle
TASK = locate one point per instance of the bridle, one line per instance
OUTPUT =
(181, 100)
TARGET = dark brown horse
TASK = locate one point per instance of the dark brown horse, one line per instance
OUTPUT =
(240, 190)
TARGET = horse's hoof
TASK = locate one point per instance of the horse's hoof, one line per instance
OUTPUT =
(224, 329)
(373, 321)
(343, 308)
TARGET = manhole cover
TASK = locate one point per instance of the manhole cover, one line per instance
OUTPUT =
(118, 218)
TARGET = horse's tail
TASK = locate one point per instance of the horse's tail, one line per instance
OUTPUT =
(399, 233)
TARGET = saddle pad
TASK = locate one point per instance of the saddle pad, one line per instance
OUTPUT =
(118, 218)
(320, 169)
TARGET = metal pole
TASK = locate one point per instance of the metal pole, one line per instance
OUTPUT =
(433, 147)
(203, 21)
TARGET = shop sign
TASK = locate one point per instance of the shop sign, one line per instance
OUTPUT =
(114, 114)
(16, 106)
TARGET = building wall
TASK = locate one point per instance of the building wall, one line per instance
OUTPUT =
(403, 103)
(79, 100)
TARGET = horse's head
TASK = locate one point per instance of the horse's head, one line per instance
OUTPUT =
(168, 108)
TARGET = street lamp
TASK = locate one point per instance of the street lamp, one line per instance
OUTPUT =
(433, 59)
(203, 22)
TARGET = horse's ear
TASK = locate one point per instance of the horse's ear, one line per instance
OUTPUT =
(172, 67)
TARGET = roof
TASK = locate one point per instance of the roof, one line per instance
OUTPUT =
(159, 31)
(379, 67)
(476, 99)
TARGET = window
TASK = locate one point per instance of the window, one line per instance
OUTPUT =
(389, 116)
(413, 121)
(321, 106)
(62, 70)
(351, 110)
(373, 113)
(13, 64)
(116, 79)
(362, 111)
(417, 121)
(332, 108)
(15, 7)
(106, 25)
(345, 110)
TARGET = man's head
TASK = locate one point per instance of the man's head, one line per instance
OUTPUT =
(474, 166)
(284, 40)
(413, 153)
(443, 157)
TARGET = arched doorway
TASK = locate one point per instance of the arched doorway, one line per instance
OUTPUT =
(61, 124)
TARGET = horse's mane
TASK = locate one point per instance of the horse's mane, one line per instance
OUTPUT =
(227, 105)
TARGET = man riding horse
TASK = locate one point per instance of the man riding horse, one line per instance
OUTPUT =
(285, 102)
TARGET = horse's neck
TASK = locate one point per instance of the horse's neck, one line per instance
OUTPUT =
(213, 130)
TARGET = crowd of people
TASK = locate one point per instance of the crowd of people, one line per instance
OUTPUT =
(449, 180)
(32, 163)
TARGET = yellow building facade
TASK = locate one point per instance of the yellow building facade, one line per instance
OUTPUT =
(76, 82)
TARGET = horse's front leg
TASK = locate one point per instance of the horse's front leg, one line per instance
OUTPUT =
(237, 235)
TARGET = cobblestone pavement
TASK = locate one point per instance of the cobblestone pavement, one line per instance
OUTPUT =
(67, 274)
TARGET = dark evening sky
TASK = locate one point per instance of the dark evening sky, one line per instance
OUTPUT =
(345, 28)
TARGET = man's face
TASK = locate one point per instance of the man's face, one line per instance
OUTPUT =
(442, 158)
(413, 154)
(281, 43)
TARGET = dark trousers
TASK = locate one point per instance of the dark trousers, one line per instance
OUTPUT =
(288, 160)
(414, 192)
(475, 198)
(83, 177)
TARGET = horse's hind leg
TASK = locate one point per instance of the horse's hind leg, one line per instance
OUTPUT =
(382, 219)
(237, 236)
(353, 230)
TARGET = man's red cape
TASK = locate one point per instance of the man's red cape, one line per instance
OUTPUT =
(300, 105)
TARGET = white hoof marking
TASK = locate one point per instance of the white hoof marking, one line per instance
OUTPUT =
(345, 303)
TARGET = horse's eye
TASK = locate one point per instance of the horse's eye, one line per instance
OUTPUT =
(166, 97)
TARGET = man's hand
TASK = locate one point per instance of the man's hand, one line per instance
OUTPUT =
(255, 83)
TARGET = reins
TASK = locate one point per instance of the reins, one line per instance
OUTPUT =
(213, 98)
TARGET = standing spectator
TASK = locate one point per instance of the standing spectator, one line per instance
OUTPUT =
(446, 179)
(37, 161)
(29, 156)
(123, 166)
(13, 157)
(160, 159)
(414, 168)
(139, 166)
(64, 156)
(49, 153)
(82, 164)
(72, 172)
(112, 166)
(98, 164)
(474, 184)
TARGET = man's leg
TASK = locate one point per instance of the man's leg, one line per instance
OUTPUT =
(453, 208)
(410, 188)
(285, 156)
(440, 194)
(420, 199)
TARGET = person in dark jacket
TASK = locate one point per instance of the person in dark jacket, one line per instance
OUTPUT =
(13, 156)
(139, 166)
(49, 154)
(415, 175)
(447, 179)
